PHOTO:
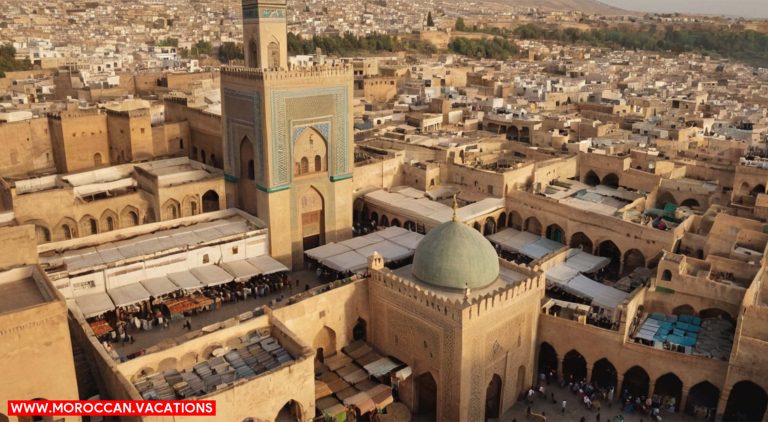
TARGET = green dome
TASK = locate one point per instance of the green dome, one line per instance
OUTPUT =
(455, 256)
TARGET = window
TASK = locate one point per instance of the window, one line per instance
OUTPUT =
(304, 165)
(318, 163)
(206, 259)
(97, 159)
(181, 143)
(67, 231)
(193, 208)
(234, 250)
(142, 131)
(110, 224)
(251, 170)
(94, 226)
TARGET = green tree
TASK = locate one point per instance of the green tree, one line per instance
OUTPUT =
(8, 62)
(168, 42)
(430, 21)
(230, 51)
(460, 25)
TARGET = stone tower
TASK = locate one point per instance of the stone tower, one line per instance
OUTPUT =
(288, 138)
(265, 34)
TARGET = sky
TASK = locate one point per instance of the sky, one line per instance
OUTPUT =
(747, 8)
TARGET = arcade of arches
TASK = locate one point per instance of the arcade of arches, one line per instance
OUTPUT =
(747, 401)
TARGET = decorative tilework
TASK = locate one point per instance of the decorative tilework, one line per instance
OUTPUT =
(242, 112)
(314, 104)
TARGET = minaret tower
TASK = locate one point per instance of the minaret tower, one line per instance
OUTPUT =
(265, 34)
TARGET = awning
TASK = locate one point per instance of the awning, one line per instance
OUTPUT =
(328, 250)
(380, 367)
(267, 264)
(185, 280)
(128, 295)
(409, 240)
(348, 261)
(241, 270)
(159, 286)
(211, 275)
(540, 248)
(391, 232)
(603, 296)
(561, 274)
(584, 262)
(94, 304)
(388, 250)
(362, 401)
(381, 396)
(513, 240)
(361, 241)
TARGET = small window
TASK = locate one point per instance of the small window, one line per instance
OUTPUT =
(181, 143)
(142, 131)
(234, 250)
(206, 259)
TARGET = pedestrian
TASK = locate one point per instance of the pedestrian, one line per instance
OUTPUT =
(564, 403)
(306, 287)
(530, 395)
(528, 411)
(188, 321)
(597, 417)
(553, 398)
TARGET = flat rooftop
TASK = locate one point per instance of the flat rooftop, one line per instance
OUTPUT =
(136, 242)
(18, 289)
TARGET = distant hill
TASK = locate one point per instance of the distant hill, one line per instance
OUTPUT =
(586, 6)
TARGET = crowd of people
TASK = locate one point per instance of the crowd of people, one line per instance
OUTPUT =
(155, 313)
(590, 397)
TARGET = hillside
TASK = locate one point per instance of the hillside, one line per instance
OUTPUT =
(586, 6)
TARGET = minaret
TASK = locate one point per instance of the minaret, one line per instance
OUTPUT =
(265, 34)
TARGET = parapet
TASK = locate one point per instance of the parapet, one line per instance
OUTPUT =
(296, 72)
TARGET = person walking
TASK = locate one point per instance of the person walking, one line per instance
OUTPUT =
(564, 403)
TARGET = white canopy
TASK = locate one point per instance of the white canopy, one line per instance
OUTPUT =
(241, 269)
(601, 295)
(408, 240)
(348, 261)
(561, 274)
(94, 304)
(329, 249)
(129, 294)
(388, 250)
(540, 248)
(185, 280)
(584, 262)
(159, 286)
(267, 265)
(361, 241)
(211, 275)
(391, 232)
(515, 240)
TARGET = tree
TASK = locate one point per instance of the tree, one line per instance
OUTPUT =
(168, 42)
(430, 22)
(230, 51)
(8, 62)
(460, 25)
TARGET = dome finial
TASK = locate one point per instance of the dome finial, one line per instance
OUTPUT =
(455, 209)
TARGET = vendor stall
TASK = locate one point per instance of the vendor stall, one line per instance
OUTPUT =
(94, 304)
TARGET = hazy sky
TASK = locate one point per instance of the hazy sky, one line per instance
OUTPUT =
(748, 8)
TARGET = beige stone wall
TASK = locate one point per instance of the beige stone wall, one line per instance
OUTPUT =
(19, 246)
(37, 347)
(382, 174)
(595, 343)
(379, 90)
(626, 235)
(77, 140)
(27, 148)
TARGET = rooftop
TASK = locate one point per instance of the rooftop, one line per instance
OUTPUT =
(19, 289)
